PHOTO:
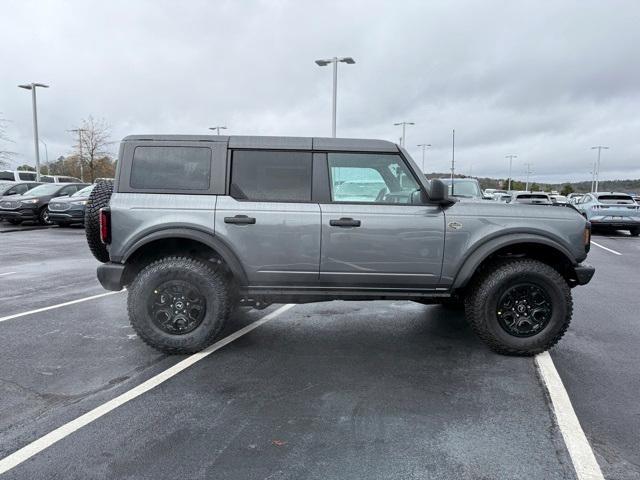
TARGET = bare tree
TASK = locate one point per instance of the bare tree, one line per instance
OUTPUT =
(5, 155)
(94, 136)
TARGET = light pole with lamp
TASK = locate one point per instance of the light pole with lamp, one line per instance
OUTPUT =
(511, 156)
(404, 125)
(424, 147)
(32, 87)
(217, 129)
(334, 61)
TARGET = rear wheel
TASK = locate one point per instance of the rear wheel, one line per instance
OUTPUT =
(519, 307)
(178, 305)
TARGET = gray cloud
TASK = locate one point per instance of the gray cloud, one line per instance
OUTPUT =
(545, 80)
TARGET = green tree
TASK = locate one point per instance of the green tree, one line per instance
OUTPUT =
(26, 167)
(567, 188)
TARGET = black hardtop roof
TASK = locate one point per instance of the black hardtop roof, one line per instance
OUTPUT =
(277, 143)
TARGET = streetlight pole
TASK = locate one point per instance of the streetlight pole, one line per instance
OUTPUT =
(528, 172)
(46, 152)
(32, 86)
(597, 166)
(404, 125)
(79, 131)
(218, 129)
(424, 147)
(510, 157)
(334, 100)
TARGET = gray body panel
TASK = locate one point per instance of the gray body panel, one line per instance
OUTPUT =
(396, 245)
(135, 216)
(282, 247)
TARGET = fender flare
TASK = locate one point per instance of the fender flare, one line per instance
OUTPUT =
(191, 233)
(482, 251)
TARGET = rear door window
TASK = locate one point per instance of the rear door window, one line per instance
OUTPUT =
(171, 168)
(271, 176)
(27, 175)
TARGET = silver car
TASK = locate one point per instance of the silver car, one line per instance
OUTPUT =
(616, 211)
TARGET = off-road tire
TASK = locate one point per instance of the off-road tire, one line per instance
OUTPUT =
(99, 198)
(483, 296)
(635, 231)
(209, 279)
(43, 216)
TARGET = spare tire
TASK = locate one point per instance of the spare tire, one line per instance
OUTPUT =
(99, 198)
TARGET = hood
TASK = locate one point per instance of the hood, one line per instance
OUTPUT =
(69, 199)
(486, 208)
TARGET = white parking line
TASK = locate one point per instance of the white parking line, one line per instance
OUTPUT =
(605, 248)
(59, 305)
(584, 461)
(6, 273)
(67, 429)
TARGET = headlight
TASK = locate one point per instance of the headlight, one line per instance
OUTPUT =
(81, 202)
(29, 202)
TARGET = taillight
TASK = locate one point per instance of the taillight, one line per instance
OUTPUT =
(586, 237)
(105, 225)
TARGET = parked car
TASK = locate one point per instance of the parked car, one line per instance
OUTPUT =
(16, 188)
(574, 197)
(64, 211)
(32, 205)
(531, 198)
(610, 210)
(18, 175)
(502, 197)
(59, 179)
(464, 188)
(198, 224)
(558, 199)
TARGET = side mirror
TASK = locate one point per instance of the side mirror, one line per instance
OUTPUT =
(439, 192)
(418, 197)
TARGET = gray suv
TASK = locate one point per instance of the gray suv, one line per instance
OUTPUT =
(199, 224)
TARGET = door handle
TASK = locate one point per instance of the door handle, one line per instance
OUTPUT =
(344, 222)
(240, 220)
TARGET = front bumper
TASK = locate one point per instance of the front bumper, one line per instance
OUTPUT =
(110, 276)
(22, 213)
(66, 216)
(584, 273)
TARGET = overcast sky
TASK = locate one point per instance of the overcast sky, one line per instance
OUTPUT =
(545, 80)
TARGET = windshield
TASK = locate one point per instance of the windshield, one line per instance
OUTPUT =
(4, 187)
(85, 192)
(48, 189)
(616, 199)
(464, 188)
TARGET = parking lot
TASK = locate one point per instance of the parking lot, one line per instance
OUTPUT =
(328, 390)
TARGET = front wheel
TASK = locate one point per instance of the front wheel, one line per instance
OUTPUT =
(519, 307)
(43, 216)
(178, 305)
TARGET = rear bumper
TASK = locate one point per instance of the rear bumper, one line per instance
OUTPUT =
(624, 222)
(110, 276)
(584, 273)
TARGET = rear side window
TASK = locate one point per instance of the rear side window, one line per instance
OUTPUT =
(7, 176)
(271, 176)
(172, 168)
(27, 176)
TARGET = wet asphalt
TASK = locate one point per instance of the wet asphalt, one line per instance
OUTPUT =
(335, 390)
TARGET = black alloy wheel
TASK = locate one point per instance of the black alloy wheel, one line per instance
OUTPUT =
(177, 307)
(524, 310)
